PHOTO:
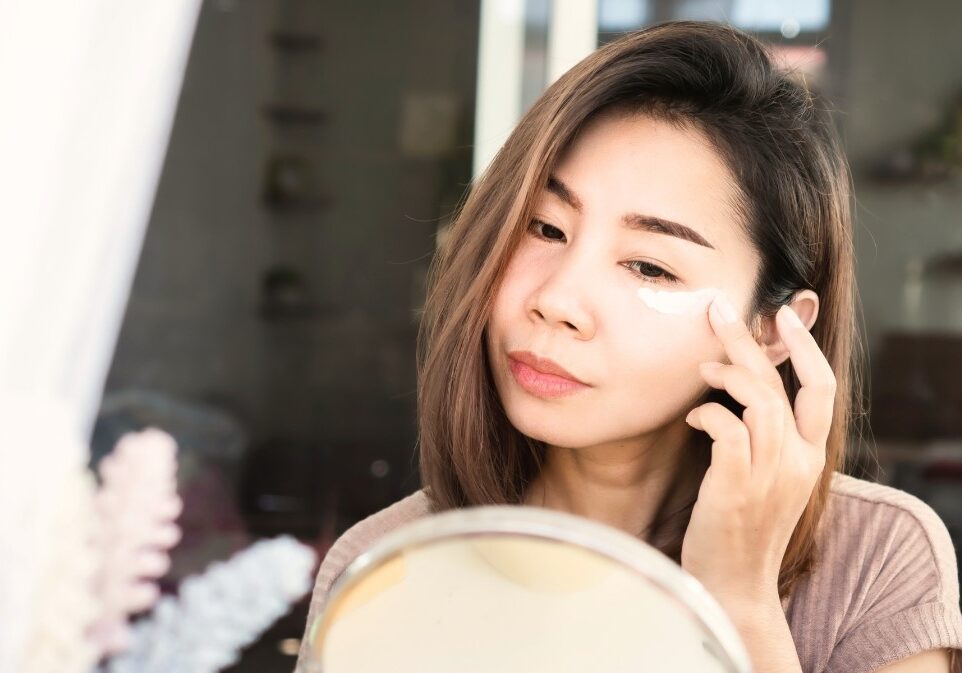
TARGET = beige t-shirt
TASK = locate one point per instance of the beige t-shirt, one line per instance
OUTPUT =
(885, 585)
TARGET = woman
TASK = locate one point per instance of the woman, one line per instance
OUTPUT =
(644, 314)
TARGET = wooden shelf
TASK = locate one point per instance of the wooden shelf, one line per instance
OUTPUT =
(280, 313)
(287, 113)
(920, 451)
(298, 204)
(296, 41)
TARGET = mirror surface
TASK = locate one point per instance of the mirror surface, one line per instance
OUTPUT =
(512, 588)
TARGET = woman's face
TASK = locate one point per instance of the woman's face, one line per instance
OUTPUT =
(570, 292)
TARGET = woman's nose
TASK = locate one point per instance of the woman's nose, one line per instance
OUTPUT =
(563, 298)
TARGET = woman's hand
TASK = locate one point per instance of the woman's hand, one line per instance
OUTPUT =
(764, 466)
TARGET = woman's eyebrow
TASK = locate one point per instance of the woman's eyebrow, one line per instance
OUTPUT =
(633, 221)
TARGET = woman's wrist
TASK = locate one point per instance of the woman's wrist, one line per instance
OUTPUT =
(763, 628)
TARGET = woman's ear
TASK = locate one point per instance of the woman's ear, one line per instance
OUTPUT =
(805, 305)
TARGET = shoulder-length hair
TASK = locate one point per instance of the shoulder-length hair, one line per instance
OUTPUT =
(794, 187)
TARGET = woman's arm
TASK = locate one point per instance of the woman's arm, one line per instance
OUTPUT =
(764, 630)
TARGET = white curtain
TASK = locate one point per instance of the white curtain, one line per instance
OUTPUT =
(88, 90)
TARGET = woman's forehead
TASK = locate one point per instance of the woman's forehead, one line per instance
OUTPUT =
(641, 165)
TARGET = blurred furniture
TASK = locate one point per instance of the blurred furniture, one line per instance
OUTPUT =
(917, 386)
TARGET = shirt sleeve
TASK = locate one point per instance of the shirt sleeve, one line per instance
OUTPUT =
(909, 593)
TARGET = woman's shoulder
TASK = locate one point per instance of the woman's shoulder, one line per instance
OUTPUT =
(861, 514)
(362, 535)
(872, 496)
(353, 542)
(885, 583)
(881, 525)
(368, 530)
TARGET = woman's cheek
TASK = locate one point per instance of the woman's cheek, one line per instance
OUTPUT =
(663, 347)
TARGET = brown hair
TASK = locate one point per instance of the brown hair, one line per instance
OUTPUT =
(782, 149)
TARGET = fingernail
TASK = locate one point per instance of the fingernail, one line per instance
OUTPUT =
(791, 317)
(724, 309)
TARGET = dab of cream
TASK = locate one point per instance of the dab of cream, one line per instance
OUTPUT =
(678, 303)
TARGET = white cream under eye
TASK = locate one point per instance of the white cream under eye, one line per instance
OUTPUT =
(678, 303)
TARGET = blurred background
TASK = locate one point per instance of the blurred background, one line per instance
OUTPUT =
(318, 149)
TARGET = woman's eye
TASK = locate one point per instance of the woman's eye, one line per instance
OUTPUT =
(550, 230)
(647, 271)
(650, 272)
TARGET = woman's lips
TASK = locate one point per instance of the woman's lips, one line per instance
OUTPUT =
(543, 385)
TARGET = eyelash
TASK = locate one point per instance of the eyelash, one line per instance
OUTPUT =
(662, 274)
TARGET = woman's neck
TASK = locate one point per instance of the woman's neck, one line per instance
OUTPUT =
(619, 484)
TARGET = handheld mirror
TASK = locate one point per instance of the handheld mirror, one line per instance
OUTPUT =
(507, 588)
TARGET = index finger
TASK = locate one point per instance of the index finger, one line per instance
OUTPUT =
(740, 344)
(815, 400)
